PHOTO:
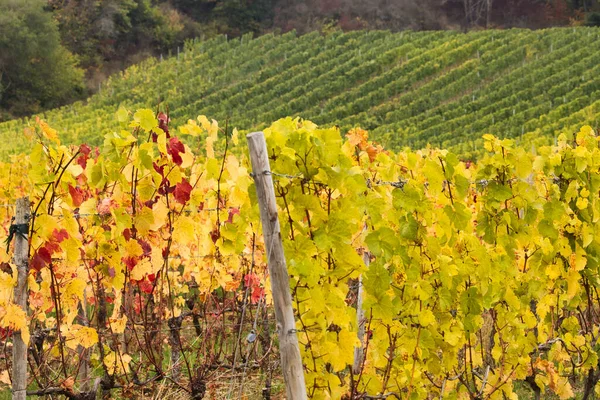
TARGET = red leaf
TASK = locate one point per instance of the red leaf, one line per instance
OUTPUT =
(5, 267)
(137, 303)
(41, 258)
(59, 236)
(52, 247)
(174, 147)
(160, 169)
(251, 280)
(163, 123)
(215, 235)
(145, 247)
(153, 277)
(45, 254)
(257, 294)
(182, 191)
(177, 159)
(5, 332)
(36, 263)
(232, 212)
(130, 262)
(150, 203)
(77, 195)
(165, 187)
(84, 150)
(146, 286)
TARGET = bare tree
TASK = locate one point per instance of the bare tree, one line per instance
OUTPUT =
(475, 11)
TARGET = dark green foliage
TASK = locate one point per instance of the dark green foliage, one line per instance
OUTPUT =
(36, 71)
(109, 31)
(233, 17)
(592, 19)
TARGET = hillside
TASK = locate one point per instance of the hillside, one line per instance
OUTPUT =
(409, 88)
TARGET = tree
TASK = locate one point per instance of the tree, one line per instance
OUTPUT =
(234, 17)
(109, 35)
(36, 71)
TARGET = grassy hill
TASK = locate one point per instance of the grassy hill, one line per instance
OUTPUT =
(408, 88)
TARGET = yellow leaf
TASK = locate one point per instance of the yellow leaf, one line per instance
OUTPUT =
(75, 288)
(80, 335)
(75, 170)
(144, 220)
(48, 132)
(16, 319)
(117, 362)
(141, 270)
(160, 213)
(187, 158)
(512, 300)
(204, 122)
(210, 151)
(46, 224)
(211, 128)
(161, 141)
(191, 128)
(117, 325)
(175, 175)
(5, 378)
(133, 249)
(572, 283)
(68, 383)
(582, 203)
(579, 258)
(426, 318)
(146, 189)
(88, 206)
(183, 231)
(157, 259)
(452, 337)
(553, 271)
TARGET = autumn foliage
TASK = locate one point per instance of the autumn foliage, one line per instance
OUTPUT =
(147, 263)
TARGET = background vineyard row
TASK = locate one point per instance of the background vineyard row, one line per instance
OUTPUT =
(409, 88)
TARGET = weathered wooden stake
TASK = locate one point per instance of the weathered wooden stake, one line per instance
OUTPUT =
(83, 371)
(291, 362)
(359, 352)
(21, 260)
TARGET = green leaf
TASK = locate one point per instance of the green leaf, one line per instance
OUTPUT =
(409, 228)
(122, 115)
(546, 229)
(145, 119)
(499, 192)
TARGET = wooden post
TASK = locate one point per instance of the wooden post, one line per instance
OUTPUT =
(21, 260)
(291, 362)
(359, 352)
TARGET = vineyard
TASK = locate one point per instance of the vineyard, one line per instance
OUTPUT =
(409, 88)
(412, 274)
